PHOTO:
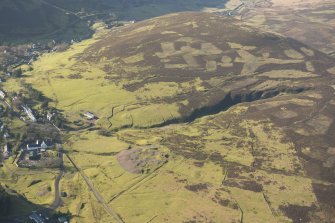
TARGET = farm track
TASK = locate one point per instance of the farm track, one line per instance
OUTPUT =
(136, 184)
(97, 195)
(57, 200)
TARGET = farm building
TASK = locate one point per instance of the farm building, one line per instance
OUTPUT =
(2, 94)
(89, 115)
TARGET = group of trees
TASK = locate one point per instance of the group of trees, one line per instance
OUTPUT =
(17, 73)
(33, 93)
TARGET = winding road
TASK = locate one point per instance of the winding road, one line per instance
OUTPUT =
(58, 200)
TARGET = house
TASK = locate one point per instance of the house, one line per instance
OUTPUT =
(89, 115)
(2, 94)
(40, 145)
(29, 113)
(6, 151)
(49, 116)
(36, 218)
(34, 146)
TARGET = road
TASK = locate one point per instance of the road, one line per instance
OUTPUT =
(97, 195)
(58, 200)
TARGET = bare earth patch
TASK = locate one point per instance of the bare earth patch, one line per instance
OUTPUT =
(142, 160)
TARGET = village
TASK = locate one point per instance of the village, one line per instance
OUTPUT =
(30, 129)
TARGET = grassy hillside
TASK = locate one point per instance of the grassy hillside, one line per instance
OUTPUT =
(200, 118)
(22, 20)
(173, 69)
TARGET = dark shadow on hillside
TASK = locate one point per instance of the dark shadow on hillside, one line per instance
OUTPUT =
(229, 100)
(15, 208)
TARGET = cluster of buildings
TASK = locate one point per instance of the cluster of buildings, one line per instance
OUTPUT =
(35, 149)
(2, 94)
(38, 217)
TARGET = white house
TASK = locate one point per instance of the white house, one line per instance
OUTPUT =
(6, 151)
(89, 115)
(49, 116)
(29, 113)
(40, 145)
(2, 94)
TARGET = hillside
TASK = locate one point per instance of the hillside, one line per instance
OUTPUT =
(33, 20)
(200, 118)
(300, 20)
(158, 72)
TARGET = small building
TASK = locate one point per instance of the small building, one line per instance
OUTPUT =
(36, 218)
(6, 151)
(49, 116)
(2, 94)
(89, 115)
(62, 219)
(29, 113)
(33, 146)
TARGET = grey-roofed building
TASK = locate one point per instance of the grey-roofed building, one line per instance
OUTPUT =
(37, 218)
(40, 145)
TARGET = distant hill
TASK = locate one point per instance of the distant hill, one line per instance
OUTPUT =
(136, 9)
(30, 20)
(22, 20)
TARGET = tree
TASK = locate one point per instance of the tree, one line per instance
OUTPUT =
(17, 73)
